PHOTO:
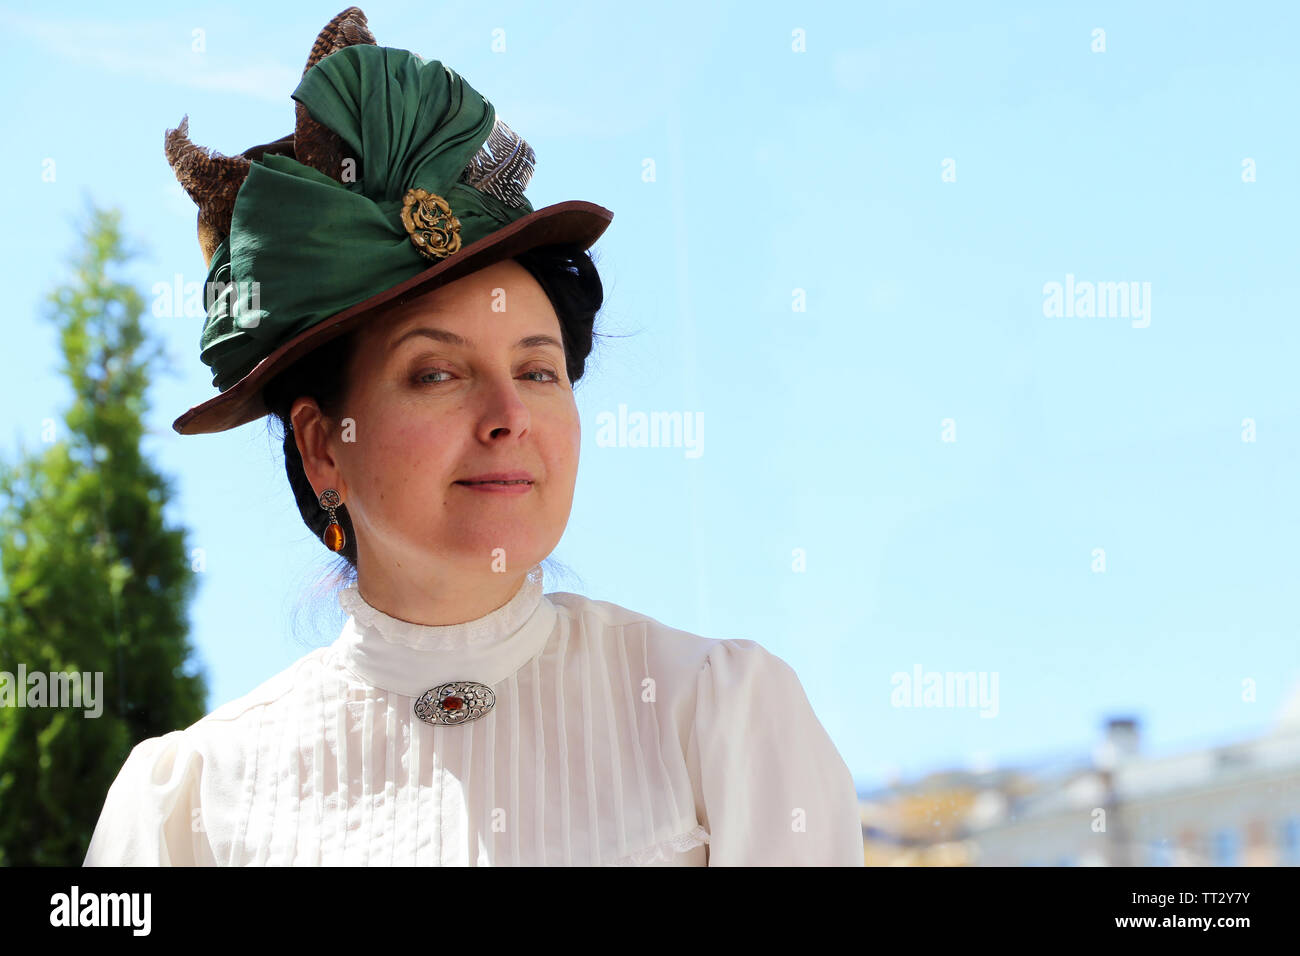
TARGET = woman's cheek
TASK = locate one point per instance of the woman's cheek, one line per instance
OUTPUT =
(419, 452)
(576, 432)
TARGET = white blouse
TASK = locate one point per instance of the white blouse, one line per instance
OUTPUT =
(614, 740)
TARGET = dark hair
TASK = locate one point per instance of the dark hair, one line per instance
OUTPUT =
(568, 275)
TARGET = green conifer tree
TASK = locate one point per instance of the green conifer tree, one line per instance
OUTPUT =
(91, 578)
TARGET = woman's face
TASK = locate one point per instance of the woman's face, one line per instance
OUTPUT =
(424, 412)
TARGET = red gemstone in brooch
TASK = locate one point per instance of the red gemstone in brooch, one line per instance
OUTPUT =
(455, 702)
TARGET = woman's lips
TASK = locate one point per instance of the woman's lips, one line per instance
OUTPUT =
(499, 487)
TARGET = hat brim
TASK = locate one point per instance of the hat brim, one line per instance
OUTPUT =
(574, 221)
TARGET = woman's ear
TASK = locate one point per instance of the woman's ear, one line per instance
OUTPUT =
(311, 433)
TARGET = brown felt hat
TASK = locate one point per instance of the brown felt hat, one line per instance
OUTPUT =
(398, 178)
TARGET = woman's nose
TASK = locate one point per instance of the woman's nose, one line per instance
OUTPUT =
(503, 408)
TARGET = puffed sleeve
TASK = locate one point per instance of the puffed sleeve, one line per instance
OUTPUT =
(148, 817)
(771, 787)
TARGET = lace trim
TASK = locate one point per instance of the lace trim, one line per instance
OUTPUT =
(665, 850)
(500, 623)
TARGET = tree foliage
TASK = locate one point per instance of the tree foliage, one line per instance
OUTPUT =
(91, 578)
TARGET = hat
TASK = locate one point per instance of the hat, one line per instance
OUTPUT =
(398, 178)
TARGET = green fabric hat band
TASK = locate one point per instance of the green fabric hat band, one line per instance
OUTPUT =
(304, 247)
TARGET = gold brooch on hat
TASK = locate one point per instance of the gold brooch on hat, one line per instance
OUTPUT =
(435, 232)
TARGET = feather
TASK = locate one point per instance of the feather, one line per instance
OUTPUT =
(210, 179)
(314, 144)
(503, 165)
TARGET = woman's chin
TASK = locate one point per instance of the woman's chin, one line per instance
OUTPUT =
(506, 547)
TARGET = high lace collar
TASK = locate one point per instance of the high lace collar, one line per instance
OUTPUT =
(409, 658)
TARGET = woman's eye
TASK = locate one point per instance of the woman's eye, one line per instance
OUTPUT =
(424, 376)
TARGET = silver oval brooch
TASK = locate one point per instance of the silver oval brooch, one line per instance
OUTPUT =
(455, 702)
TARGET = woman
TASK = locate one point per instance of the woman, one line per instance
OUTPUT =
(431, 437)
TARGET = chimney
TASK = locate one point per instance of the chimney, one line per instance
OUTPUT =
(1122, 735)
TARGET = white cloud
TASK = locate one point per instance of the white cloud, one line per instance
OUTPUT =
(157, 51)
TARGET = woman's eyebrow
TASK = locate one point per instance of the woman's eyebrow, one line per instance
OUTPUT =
(451, 338)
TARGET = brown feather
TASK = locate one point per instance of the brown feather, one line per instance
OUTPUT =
(211, 179)
(314, 144)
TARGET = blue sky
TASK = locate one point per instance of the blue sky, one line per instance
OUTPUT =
(824, 428)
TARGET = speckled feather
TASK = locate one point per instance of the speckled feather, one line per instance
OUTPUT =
(212, 180)
(502, 168)
(315, 145)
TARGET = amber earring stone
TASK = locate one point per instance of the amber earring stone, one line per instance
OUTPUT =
(334, 538)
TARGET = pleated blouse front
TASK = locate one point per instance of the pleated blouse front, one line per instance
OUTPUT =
(614, 739)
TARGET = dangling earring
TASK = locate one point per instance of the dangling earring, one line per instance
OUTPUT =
(335, 539)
